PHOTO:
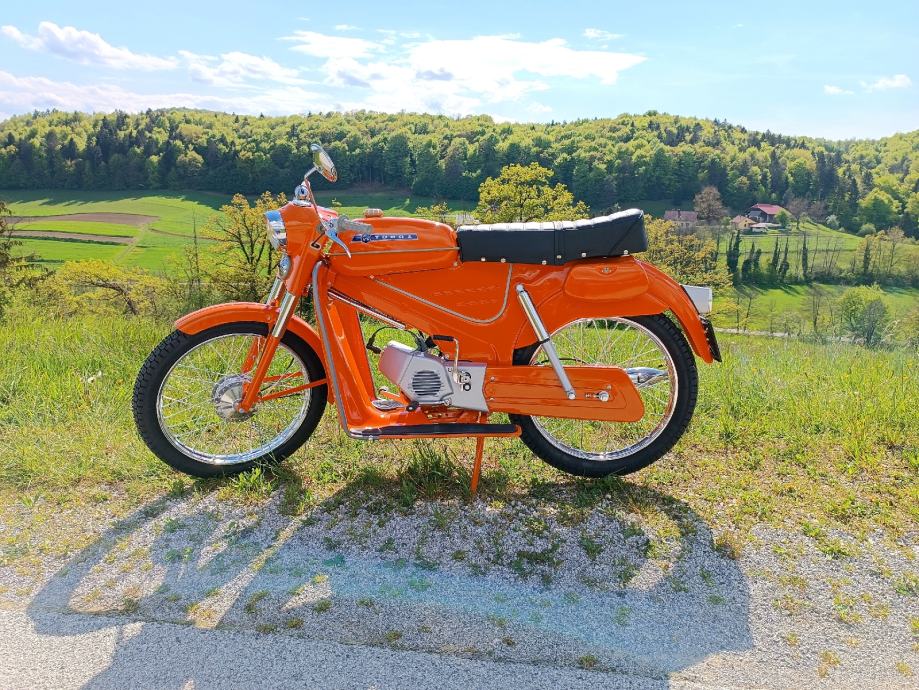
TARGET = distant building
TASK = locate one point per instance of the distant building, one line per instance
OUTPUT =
(742, 222)
(763, 227)
(684, 219)
(765, 213)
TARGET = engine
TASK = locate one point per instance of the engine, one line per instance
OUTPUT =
(430, 380)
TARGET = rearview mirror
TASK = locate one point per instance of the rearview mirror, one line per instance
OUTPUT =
(323, 163)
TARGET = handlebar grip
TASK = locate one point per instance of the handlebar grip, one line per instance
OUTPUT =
(356, 226)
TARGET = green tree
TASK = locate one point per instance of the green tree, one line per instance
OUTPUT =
(879, 208)
(241, 260)
(783, 218)
(864, 314)
(17, 270)
(732, 255)
(439, 212)
(522, 193)
(687, 257)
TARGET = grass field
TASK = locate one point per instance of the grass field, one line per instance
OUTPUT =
(156, 247)
(55, 252)
(817, 437)
(786, 309)
(83, 227)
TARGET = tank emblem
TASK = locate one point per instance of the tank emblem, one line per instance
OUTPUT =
(367, 237)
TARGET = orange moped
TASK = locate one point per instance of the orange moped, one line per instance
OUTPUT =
(553, 332)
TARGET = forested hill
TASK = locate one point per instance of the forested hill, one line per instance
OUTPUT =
(603, 161)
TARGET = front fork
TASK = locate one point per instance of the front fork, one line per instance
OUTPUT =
(262, 350)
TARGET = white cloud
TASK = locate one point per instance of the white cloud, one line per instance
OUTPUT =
(459, 76)
(24, 94)
(831, 90)
(897, 81)
(236, 69)
(346, 27)
(325, 46)
(601, 35)
(85, 47)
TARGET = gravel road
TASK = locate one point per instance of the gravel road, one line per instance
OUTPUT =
(199, 592)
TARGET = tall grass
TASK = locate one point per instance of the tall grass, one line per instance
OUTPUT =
(784, 431)
(65, 407)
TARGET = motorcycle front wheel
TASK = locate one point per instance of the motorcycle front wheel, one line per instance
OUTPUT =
(186, 392)
(657, 358)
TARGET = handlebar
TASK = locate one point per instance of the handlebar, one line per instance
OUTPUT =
(345, 223)
(332, 227)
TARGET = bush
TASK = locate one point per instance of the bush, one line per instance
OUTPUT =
(832, 222)
(98, 287)
(864, 314)
(908, 329)
(866, 230)
(688, 258)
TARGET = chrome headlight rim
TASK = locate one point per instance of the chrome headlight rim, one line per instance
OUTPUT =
(277, 232)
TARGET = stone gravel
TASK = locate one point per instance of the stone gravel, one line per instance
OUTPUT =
(623, 597)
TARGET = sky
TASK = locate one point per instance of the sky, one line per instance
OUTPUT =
(826, 69)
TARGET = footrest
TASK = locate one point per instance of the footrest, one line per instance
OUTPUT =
(441, 431)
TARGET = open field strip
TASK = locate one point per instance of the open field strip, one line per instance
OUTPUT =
(76, 225)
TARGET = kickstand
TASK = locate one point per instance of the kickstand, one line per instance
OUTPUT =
(477, 467)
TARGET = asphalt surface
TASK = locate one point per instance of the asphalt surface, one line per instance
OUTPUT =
(84, 654)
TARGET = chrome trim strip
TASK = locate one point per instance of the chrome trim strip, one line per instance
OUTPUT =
(330, 355)
(363, 308)
(545, 340)
(275, 291)
(401, 251)
(284, 312)
(507, 289)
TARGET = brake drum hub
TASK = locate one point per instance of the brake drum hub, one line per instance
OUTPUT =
(227, 394)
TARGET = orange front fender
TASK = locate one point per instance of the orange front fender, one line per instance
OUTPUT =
(231, 312)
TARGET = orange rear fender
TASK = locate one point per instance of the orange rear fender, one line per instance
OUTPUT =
(630, 288)
(232, 312)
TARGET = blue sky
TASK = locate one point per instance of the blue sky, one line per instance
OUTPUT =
(833, 69)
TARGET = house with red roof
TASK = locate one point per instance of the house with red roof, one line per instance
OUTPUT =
(765, 213)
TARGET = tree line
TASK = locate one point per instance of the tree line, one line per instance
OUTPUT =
(605, 163)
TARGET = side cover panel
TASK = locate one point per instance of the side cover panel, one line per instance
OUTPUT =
(535, 390)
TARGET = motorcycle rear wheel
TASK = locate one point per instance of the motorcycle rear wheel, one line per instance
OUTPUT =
(655, 353)
(186, 390)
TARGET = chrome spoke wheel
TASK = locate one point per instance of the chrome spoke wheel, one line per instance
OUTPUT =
(196, 404)
(620, 342)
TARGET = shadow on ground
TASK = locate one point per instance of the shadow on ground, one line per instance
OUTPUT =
(628, 580)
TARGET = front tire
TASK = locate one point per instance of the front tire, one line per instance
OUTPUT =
(184, 393)
(638, 344)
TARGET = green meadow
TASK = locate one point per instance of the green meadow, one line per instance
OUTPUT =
(785, 432)
(157, 246)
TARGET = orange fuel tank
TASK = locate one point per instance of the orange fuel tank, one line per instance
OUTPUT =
(396, 245)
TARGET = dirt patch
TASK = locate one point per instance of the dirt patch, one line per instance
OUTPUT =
(79, 236)
(118, 218)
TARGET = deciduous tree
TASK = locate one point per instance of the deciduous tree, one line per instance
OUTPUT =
(522, 193)
(707, 204)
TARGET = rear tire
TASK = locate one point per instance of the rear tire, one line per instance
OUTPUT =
(147, 406)
(589, 464)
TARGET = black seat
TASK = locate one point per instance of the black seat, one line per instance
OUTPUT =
(555, 242)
